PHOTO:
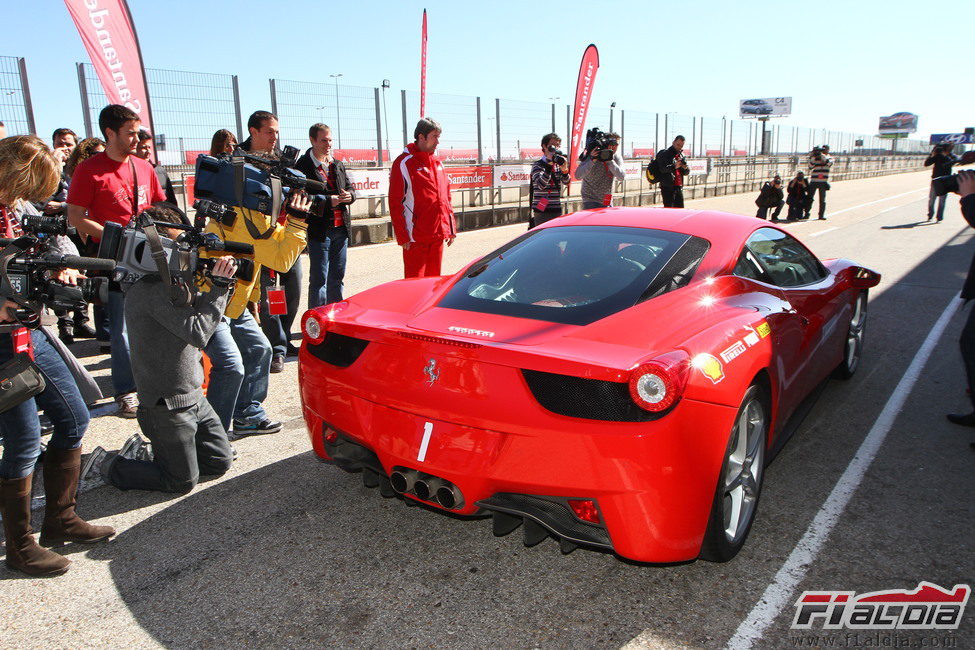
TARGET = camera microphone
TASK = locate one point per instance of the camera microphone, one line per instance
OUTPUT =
(86, 263)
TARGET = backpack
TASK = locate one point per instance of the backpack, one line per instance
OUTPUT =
(653, 172)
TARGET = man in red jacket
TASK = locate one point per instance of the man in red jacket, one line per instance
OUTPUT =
(419, 203)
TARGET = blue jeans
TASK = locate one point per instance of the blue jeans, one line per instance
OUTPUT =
(241, 364)
(122, 380)
(61, 401)
(277, 328)
(327, 263)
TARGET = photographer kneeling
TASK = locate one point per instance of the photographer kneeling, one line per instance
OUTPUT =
(166, 339)
(29, 172)
(600, 165)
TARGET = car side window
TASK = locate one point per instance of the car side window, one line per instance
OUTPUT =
(786, 262)
(748, 267)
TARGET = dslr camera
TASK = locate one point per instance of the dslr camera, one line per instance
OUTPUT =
(557, 155)
(598, 145)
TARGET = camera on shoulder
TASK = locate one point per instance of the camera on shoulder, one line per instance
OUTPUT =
(598, 145)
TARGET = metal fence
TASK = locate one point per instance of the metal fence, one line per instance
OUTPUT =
(458, 115)
(187, 108)
(16, 111)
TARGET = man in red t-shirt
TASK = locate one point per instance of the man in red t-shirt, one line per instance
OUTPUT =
(114, 185)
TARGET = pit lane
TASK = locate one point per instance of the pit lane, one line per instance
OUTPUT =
(286, 551)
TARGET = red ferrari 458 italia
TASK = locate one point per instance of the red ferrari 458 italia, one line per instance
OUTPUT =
(616, 378)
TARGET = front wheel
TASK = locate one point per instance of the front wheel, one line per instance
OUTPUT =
(853, 345)
(740, 481)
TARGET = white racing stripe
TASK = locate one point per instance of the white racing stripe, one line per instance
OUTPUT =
(782, 589)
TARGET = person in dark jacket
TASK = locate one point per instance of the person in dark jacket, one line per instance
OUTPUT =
(328, 235)
(966, 189)
(797, 190)
(942, 160)
(770, 197)
(673, 168)
(144, 151)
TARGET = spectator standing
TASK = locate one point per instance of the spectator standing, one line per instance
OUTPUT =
(28, 171)
(797, 189)
(770, 197)
(419, 203)
(673, 168)
(597, 176)
(223, 143)
(238, 350)
(942, 160)
(819, 165)
(186, 435)
(144, 151)
(114, 186)
(549, 173)
(328, 236)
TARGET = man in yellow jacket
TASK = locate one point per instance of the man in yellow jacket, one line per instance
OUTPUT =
(239, 351)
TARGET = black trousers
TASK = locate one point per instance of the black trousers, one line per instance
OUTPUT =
(277, 329)
(673, 196)
(811, 197)
(763, 211)
(967, 344)
(537, 217)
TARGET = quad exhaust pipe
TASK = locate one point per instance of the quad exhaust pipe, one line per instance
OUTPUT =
(426, 487)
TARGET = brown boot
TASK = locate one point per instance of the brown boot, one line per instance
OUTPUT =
(62, 468)
(23, 553)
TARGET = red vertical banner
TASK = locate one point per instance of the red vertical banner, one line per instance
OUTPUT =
(107, 30)
(423, 68)
(584, 88)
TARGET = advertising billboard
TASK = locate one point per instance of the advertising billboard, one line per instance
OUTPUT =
(898, 123)
(767, 107)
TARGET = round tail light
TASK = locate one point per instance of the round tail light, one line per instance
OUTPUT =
(315, 322)
(657, 384)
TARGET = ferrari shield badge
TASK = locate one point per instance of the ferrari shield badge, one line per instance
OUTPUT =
(431, 372)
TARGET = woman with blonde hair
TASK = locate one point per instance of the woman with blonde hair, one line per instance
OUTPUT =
(30, 172)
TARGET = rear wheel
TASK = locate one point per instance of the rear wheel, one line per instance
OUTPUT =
(740, 481)
(853, 345)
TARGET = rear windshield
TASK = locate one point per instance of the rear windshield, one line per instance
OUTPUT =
(577, 274)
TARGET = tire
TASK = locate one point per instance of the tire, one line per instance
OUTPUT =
(740, 480)
(853, 343)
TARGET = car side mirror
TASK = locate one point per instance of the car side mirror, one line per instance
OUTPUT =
(864, 278)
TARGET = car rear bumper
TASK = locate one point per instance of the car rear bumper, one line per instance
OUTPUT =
(653, 482)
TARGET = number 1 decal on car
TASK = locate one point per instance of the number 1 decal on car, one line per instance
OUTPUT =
(427, 432)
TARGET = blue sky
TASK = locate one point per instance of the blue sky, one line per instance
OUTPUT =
(844, 63)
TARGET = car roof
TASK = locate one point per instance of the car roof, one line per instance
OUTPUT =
(725, 231)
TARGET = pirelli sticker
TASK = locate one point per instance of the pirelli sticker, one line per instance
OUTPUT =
(753, 335)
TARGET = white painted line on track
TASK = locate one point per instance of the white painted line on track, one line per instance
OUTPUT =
(886, 198)
(781, 591)
(823, 232)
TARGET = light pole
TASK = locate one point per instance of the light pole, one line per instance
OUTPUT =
(338, 119)
(385, 85)
(553, 100)
(321, 113)
(611, 107)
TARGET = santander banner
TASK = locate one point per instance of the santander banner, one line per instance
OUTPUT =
(584, 88)
(512, 175)
(369, 182)
(468, 178)
(107, 31)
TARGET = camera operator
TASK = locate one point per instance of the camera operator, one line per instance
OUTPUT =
(597, 173)
(419, 202)
(549, 173)
(239, 350)
(819, 164)
(770, 197)
(328, 236)
(114, 186)
(29, 172)
(673, 168)
(144, 151)
(187, 437)
(966, 189)
(797, 190)
(942, 160)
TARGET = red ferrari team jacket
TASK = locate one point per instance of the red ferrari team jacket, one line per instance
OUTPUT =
(419, 198)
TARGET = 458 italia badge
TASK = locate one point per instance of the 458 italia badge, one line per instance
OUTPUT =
(431, 372)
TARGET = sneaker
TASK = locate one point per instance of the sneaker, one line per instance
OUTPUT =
(132, 447)
(144, 452)
(244, 428)
(128, 404)
(98, 467)
(277, 363)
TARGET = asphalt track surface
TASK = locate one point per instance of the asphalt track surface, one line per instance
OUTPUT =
(285, 551)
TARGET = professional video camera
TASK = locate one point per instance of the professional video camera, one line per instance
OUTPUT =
(139, 250)
(255, 182)
(598, 145)
(941, 185)
(38, 224)
(25, 267)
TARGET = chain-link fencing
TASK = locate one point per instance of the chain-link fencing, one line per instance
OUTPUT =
(16, 111)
